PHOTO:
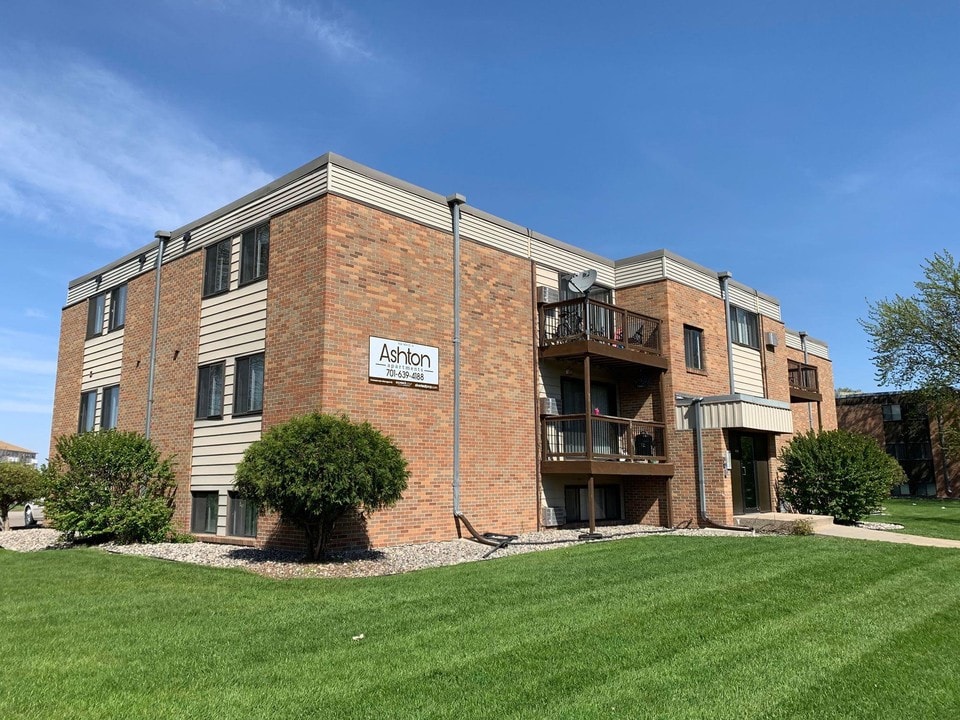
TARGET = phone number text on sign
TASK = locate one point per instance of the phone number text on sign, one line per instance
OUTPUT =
(395, 362)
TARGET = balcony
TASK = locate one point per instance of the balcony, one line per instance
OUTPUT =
(603, 445)
(585, 326)
(804, 384)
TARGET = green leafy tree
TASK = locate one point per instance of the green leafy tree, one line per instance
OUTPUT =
(315, 468)
(838, 473)
(110, 485)
(916, 342)
(19, 483)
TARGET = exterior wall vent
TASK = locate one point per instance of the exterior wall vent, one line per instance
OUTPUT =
(547, 295)
(553, 516)
(548, 406)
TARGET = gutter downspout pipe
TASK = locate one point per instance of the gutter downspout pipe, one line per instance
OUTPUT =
(163, 237)
(724, 278)
(454, 202)
(806, 361)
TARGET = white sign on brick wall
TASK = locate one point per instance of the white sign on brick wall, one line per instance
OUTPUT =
(396, 362)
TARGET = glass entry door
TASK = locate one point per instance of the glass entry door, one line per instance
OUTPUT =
(750, 474)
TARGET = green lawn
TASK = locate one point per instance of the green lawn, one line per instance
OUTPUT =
(932, 518)
(659, 627)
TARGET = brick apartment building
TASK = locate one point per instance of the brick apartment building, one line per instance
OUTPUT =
(903, 424)
(331, 289)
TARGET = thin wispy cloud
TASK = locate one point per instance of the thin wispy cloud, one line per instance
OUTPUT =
(85, 149)
(35, 313)
(19, 364)
(325, 27)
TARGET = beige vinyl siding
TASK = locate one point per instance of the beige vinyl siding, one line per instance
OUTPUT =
(697, 279)
(747, 371)
(353, 185)
(544, 253)
(768, 308)
(814, 347)
(642, 271)
(741, 298)
(102, 360)
(498, 236)
(548, 277)
(740, 413)
(231, 325)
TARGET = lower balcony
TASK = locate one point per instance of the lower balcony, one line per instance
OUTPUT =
(603, 445)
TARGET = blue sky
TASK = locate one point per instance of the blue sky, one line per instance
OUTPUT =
(811, 148)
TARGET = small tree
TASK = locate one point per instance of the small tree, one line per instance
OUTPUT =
(836, 473)
(19, 483)
(315, 468)
(110, 485)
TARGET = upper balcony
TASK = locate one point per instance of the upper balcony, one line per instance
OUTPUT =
(804, 384)
(585, 326)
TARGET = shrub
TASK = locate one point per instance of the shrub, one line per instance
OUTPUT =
(110, 485)
(801, 527)
(18, 484)
(836, 473)
(315, 468)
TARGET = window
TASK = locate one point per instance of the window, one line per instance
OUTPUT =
(744, 327)
(248, 385)
(243, 516)
(108, 411)
(891, 413)
(216, 272)
(210, 392)
(693, 347)
(95, 316)
(606, 503)
(254, 252)
(118, 307)
(206, 507)
(88, 411)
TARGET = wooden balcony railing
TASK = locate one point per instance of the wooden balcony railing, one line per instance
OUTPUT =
(611, 438)
(802, 377)
(586, 319)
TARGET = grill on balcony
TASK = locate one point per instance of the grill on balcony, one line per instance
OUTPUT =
(611, 438)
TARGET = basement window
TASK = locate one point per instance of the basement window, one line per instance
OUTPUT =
(206, 507)
(243, 516)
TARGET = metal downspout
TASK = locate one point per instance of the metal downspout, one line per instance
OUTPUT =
(724, 278)
(163, 237)
(454, 202)
(806, 358)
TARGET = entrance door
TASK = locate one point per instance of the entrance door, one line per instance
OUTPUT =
(751, 472)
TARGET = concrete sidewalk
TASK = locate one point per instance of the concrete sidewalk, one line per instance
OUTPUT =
(858, 533)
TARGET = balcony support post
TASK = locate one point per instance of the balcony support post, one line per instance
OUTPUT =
(588, 410)
(591, 506)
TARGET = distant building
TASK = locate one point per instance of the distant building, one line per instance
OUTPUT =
(902, 424)
(12, 453)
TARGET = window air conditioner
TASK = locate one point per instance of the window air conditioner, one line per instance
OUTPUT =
(552, 516)
(547, 295)
(548, 406)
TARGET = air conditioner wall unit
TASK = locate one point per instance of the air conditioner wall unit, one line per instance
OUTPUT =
(548, 406)
(547, 295)
(551, 516)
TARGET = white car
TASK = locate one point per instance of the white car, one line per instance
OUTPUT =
(30, 511)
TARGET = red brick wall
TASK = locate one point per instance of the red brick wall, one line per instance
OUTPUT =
(66, 397)
(176, 366)
(341, 272)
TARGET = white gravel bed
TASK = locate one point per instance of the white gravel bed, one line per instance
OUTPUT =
(879, 526)
(385, 561)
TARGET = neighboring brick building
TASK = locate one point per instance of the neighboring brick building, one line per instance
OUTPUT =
(902, 424)
(332, 289)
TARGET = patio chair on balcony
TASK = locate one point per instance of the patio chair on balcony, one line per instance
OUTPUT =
(643, 444)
